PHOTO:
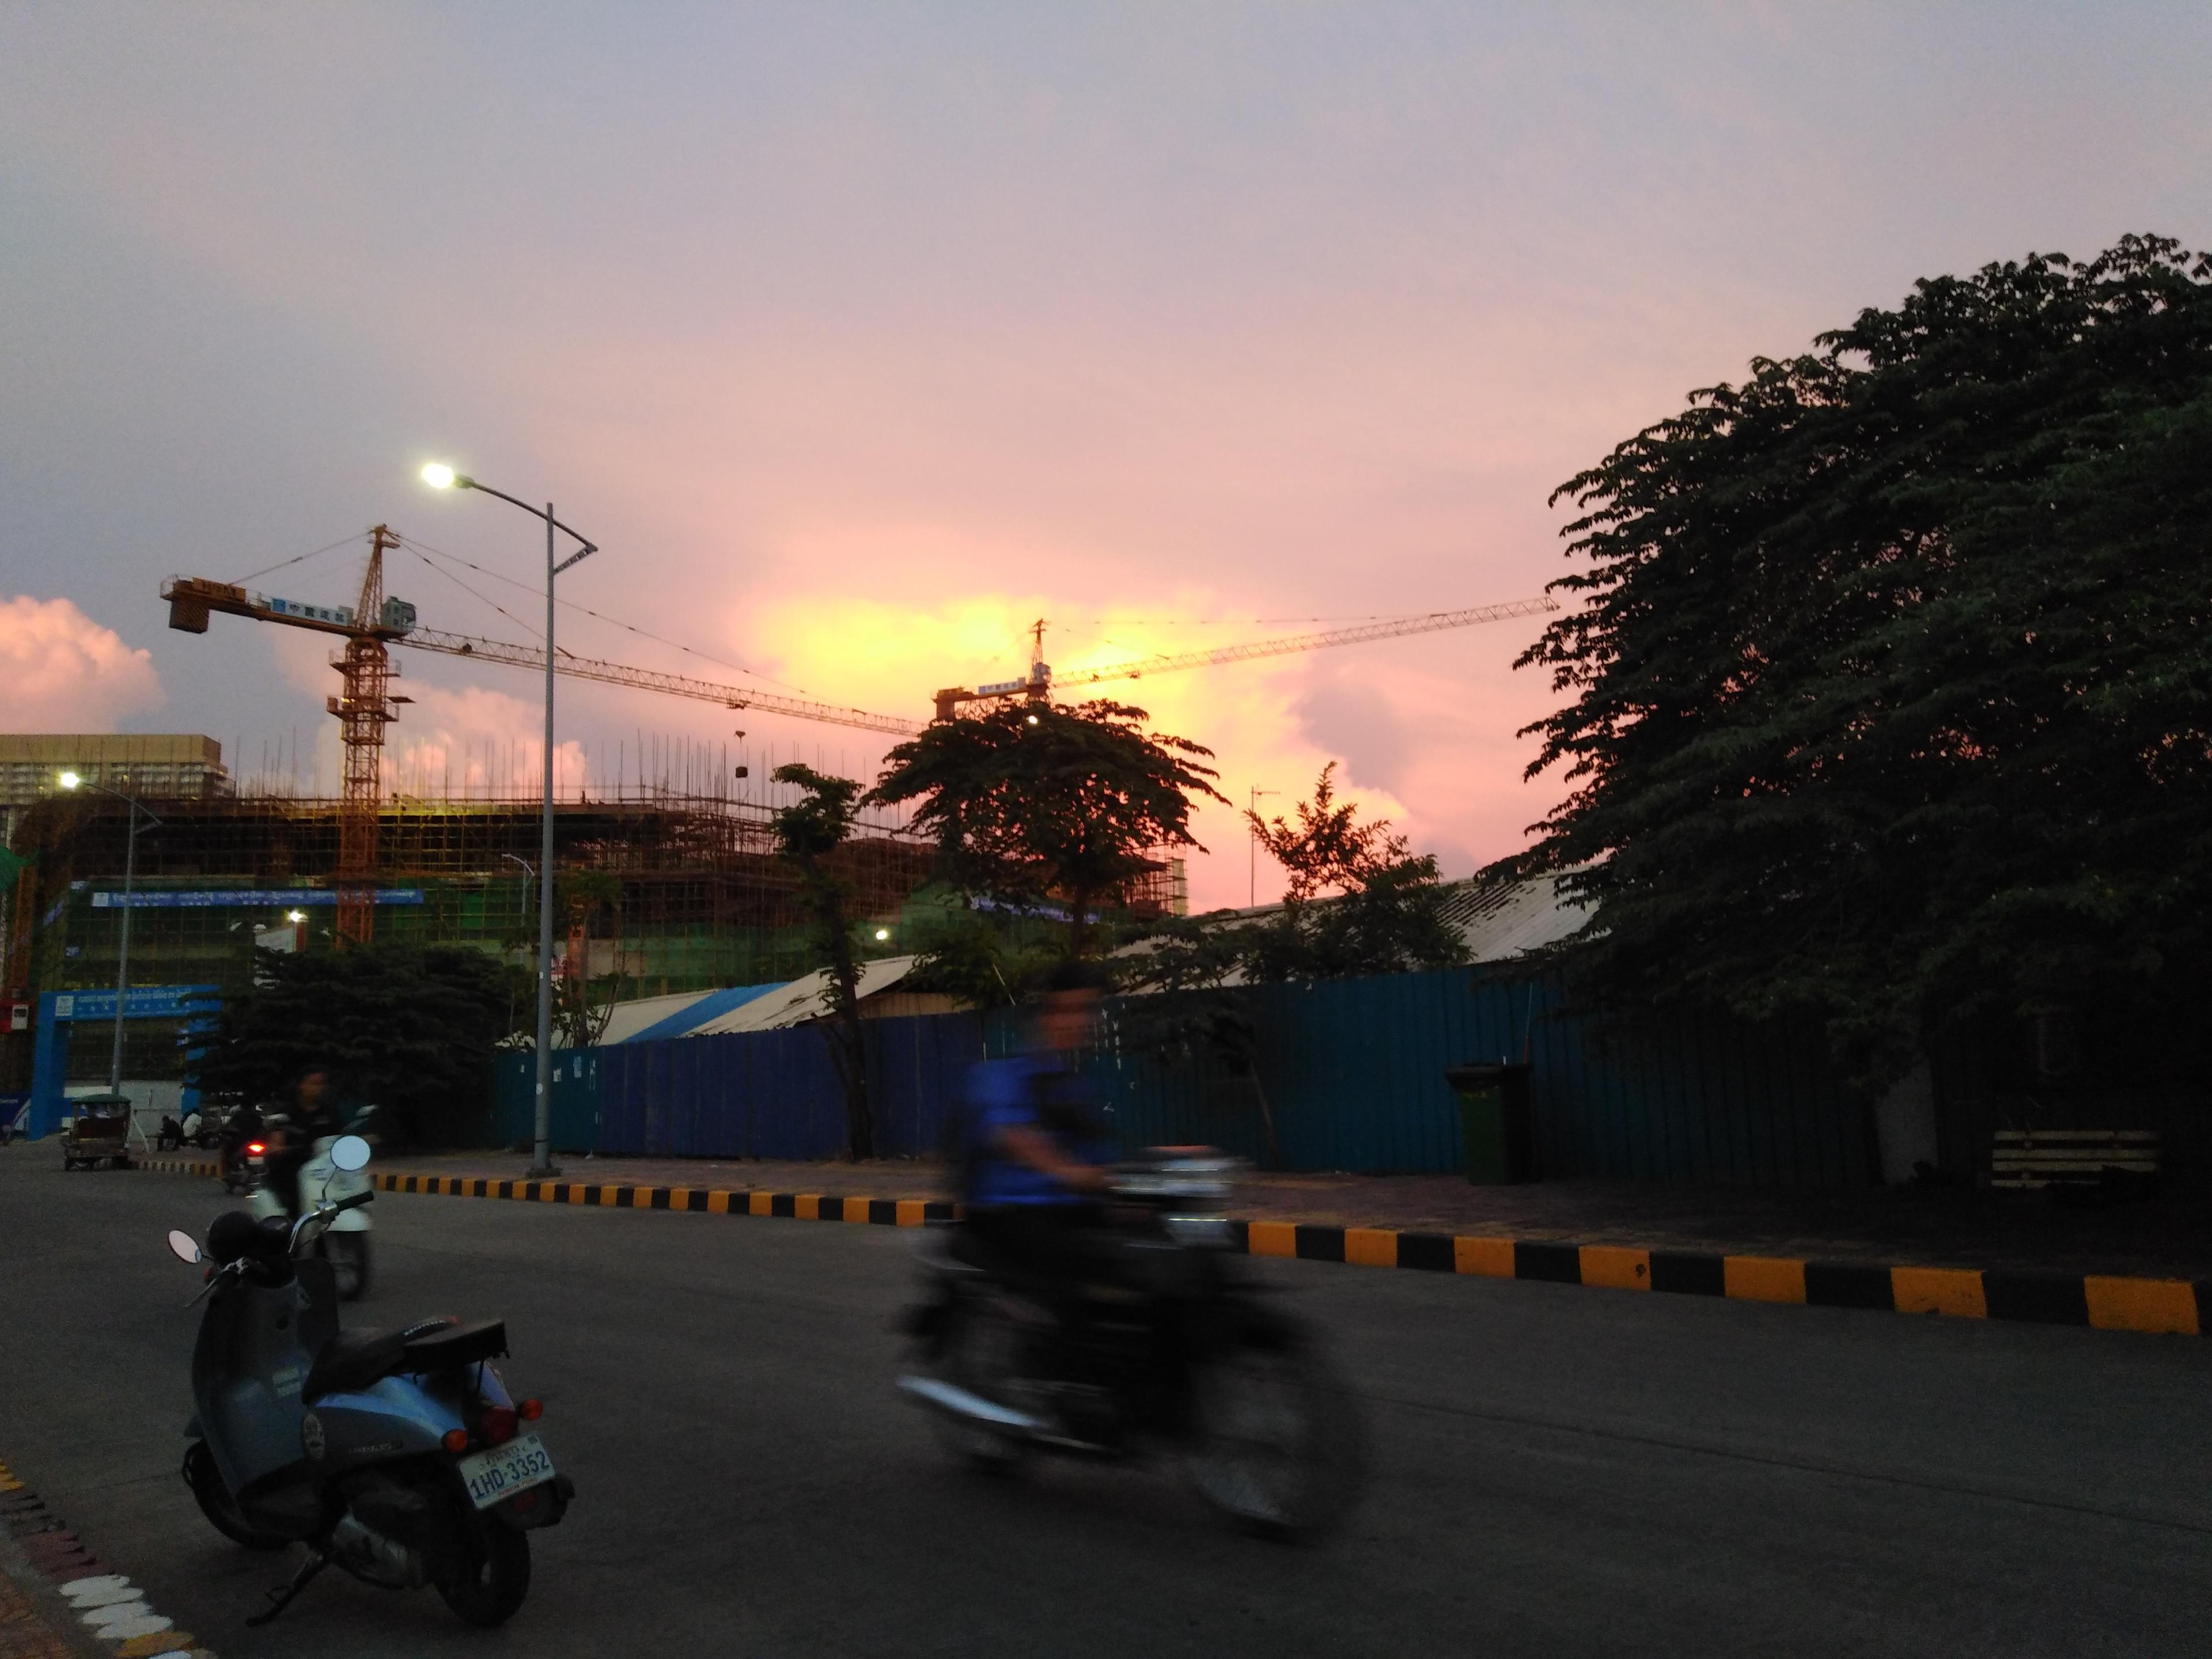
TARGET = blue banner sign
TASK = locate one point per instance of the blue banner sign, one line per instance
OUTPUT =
(213, 897)
(147, 1002)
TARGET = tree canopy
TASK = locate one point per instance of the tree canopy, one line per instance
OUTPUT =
(1891, 697)
(411, 1029)
(1033, 802)
(1387, 915)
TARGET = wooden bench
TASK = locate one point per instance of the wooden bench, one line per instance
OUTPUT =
(2027, 1159)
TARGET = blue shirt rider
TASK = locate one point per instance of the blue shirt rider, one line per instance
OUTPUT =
(1036, 1155)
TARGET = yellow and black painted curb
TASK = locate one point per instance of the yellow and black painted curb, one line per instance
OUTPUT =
(102, 1611)
(2166, 1306)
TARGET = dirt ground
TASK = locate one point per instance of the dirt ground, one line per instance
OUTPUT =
(2164, 1237)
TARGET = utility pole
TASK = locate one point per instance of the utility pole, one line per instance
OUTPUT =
(1252, 845)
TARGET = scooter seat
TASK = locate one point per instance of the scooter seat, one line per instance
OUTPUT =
(354, 1359)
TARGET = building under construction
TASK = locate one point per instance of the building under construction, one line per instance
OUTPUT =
(688, 893)
(696, 898)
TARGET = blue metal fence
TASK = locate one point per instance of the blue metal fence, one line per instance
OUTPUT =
(1351, 1071)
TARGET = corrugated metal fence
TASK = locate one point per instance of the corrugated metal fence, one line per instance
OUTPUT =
(1351, 1072)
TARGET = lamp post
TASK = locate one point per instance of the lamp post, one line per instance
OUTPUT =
(72, 781)
(1252, 845)
(441, 477)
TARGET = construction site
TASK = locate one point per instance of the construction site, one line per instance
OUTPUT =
(684, 891)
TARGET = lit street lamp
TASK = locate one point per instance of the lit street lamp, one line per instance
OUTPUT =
(441, 477)
(71, 781)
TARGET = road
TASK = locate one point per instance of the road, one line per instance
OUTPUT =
(1559, 1471)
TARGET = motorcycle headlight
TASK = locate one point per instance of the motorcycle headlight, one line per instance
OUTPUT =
(1203, 1232)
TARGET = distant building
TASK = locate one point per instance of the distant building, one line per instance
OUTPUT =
(147, 764)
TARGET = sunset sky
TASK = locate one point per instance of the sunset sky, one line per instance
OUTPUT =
(860, 336)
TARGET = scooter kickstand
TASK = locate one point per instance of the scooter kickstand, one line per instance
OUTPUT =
(282, 1597)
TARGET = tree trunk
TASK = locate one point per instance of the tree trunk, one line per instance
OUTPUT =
(1077, 910)
(848, 1046)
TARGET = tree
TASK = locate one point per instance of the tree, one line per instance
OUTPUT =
(1330, 848)
(1890, 695)
(580, 1016)
(411, 1029)
(806, 833)
(1033, 802)
(981, 955)
(1387, 917)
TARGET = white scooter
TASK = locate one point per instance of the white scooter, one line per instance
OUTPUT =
(345, 1242)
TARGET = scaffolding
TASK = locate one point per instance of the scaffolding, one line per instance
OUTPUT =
(701, 899)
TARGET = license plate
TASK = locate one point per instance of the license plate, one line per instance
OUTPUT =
(506, 1470)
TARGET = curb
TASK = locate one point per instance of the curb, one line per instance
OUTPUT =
(2153, 1306)
(87, 1608)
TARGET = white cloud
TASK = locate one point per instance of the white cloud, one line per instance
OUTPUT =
(62, 672)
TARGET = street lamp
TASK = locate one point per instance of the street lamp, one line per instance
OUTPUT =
(439, 476)
(72, 781)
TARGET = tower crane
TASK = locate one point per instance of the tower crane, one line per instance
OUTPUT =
(1040, 682)
(367, 704)
(364, 705)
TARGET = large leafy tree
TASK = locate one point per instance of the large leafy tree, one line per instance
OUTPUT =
(1891, 694)
(1036, 802)
(410, 1030)
(807, 832)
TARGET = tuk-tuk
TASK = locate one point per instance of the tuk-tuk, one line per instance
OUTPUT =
(98, 1132)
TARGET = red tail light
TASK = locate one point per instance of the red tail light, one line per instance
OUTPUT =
(531, 1410)
(498, 1425)
(457, 1440)
(255, 1147)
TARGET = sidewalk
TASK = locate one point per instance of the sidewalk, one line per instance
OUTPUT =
(58, 1601)
(2155, 1238)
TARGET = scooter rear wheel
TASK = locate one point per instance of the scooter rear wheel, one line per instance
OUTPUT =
(216, 1504)
(491, 1576)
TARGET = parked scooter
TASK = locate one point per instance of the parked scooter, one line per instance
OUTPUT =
(344, 1244)
(397, 1455)
(1182, 1347)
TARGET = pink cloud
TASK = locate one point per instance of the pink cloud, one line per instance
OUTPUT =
(62, 672)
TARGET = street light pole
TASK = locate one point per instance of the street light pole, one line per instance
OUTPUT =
(1252, 845)
(440, 477)
(542, 1162)
(72, 781)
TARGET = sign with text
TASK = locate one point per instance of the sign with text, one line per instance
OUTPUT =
(217, 897)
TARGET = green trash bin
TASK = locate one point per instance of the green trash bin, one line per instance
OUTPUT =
(1494, 1125)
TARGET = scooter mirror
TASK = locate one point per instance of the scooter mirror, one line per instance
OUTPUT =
(350, 1153)
(184, 1247)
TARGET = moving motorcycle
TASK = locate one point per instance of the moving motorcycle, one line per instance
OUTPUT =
(239, 1151)
(344, 1244)
(1180, 1345)
(398, 1456)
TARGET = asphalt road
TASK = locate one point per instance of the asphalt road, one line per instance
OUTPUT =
(1559, 1471)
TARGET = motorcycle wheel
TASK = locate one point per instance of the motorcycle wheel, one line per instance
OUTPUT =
(1278, 1444)
(348, 1255)
(981, 1350)
(216, 1504)
(491, 1576)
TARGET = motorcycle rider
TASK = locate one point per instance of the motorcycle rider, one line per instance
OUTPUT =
(291, 1137)
(1035, 1153)
(240, 1127)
